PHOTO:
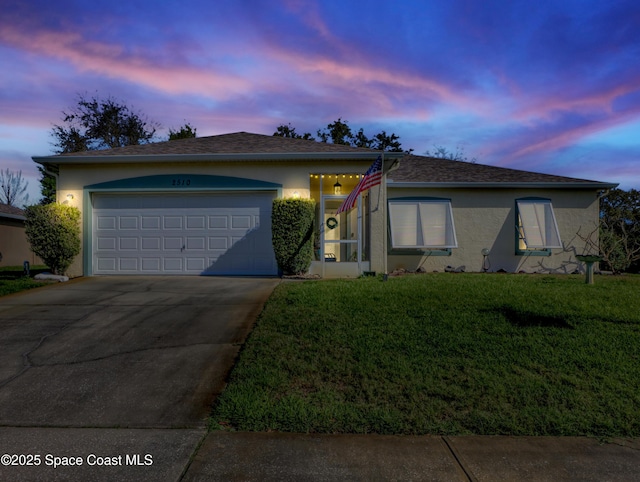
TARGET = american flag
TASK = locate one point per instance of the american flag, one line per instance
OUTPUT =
(371, 178)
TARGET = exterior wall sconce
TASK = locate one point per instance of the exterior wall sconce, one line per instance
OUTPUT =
(296, 195)
(337, 187)
(69, 197)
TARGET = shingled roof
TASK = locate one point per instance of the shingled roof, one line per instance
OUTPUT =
(235, 143)
(11, 211)
(244, 146)
(430, 170)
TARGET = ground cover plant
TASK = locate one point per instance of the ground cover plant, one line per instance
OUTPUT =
(442, 354)
(12, 279)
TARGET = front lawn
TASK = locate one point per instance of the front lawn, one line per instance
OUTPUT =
(443, 354)
(12, 279)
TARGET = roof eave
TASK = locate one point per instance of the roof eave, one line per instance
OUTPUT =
(155, 158)
(506, 185)
(13, 216)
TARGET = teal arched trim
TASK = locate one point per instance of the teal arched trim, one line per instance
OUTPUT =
(182, 182)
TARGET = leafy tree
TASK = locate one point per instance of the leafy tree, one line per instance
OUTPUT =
(620, 229)
(361, 140)
(53, 230)
(13, 188)
(388, 142)
(101, 124)
(289, 131)
(47, 187)
(94, 124)
(440, 152)
(187, 131)
(339, 132)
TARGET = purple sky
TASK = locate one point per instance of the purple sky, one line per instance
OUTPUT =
(550, 86)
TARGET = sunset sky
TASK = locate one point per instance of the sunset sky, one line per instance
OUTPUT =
(549, 86)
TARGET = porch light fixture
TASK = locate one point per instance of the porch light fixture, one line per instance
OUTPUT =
(337, 187)
(70, 197)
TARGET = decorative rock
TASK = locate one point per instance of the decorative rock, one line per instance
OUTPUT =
(50, 277)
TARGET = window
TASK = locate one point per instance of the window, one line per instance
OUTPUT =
(536, 228)
(421, 224)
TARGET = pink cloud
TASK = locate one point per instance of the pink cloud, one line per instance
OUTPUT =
(380, 88)
(568, 136)
(310, 15)
(601, 101)
(110, 60)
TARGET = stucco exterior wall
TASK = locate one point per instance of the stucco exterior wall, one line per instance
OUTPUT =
(293, 176)
(486, 218)
(14, 246)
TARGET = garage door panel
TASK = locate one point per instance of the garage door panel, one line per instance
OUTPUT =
(172, 243)
(128, 264)
(195, 222)
(173, 264)
(218, 243)
(106, 222)
(195, 243)
(172, 222)
(128, 222)
(107, 264)
(218, 222)
(106, 244)
(150, 243)
(196, 264)
(193, 234)
(150, 222)
(128, 244)
(240, 222)
(151, 264)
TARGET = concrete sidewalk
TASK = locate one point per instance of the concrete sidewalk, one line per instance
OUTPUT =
(284, 457)
(192, 454)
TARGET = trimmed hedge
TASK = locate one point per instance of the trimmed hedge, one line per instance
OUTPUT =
(53, 230)
(292, 233)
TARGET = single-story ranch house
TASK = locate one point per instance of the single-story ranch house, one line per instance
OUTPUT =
(203, 206)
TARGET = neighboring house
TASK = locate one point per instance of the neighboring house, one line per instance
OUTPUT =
(14, 247)
(203, 206)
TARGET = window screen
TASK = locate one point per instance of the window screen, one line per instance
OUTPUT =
(537, 225)
(420, 224)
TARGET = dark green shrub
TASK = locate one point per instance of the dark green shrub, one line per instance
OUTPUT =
(292, 232)
(53, 230)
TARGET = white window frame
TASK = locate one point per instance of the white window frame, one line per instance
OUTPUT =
(536, 226)
(412, 227)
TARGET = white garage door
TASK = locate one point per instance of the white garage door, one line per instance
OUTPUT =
(225, 234)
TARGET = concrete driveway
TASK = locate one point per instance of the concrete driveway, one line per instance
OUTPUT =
(142, 357)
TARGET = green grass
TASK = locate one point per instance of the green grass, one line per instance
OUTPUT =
(442, 354)
(12, 279)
